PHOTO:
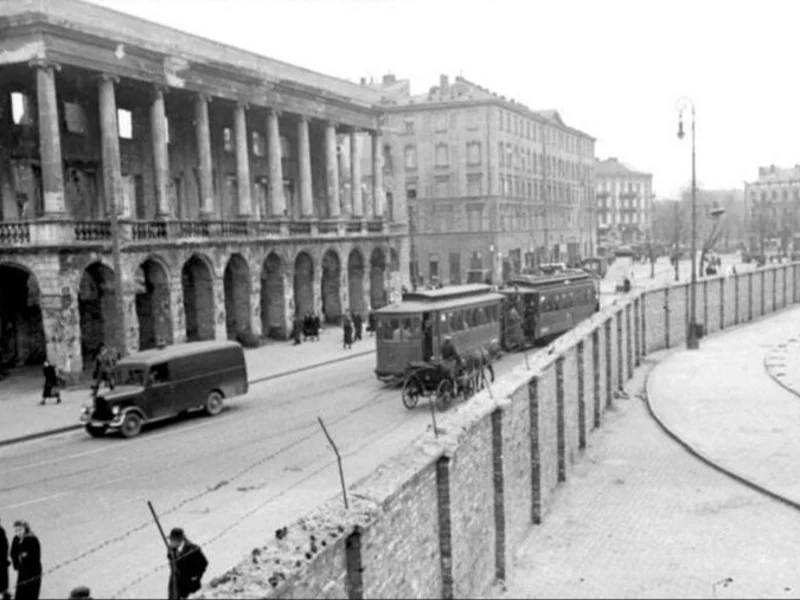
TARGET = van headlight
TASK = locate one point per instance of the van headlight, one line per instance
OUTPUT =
(115, 410)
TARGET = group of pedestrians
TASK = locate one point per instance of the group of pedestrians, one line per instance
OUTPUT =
(187, 563)
(352, 327)
(306, 328)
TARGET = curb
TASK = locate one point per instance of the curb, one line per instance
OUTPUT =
(51, 432)
(707, 460)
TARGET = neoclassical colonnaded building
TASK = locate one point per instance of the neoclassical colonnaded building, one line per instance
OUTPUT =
(247, 190)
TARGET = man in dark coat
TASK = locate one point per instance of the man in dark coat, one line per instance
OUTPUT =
(371, 321)
(4, 565)
(317, 326)
(358, 325)
(26, 556)
(348, 332)
(189, 564)
(51, 387)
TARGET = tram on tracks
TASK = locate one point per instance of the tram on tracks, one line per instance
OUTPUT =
(545, 306)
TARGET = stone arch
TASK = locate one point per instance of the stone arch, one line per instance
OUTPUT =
(97, 310)
(22, 337)
(355, 280)
(377, 293)
(197, 281)
(153, 304)
(273, 312)
(237, 297)
(331, 282)
(303, 283)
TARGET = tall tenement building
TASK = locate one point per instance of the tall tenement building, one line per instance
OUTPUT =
(624, 202)
(235, 207)
(490, 184)
(772, 207)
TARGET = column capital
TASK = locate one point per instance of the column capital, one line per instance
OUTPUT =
(108, 77)
(158, 91)
(333, 124)
(355, 130)
(245, 106)
(43, 63)
(303, 118)
(204, 98)
(274, 111)
(377, 132)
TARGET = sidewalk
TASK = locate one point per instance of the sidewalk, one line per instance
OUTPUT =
(23, 418)
(722, 402)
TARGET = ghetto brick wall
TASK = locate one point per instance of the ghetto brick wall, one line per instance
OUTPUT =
(442, 518)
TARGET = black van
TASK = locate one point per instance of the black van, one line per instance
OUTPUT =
(162, 383)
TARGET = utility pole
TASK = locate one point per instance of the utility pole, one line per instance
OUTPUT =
(412, 250)
(546, 194)
(676, 251)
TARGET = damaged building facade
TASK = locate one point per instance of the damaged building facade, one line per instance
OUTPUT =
(247, 190)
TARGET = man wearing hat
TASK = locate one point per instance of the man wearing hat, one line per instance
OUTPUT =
(188, 565)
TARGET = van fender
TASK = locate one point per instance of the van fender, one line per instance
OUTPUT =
(117, 421)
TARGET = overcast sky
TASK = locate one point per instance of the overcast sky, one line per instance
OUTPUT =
(612, 68)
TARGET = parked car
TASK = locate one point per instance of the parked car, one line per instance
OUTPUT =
(162, 383)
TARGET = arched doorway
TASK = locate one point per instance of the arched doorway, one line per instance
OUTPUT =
(22, 339)
(355, 281)
(273, 318)
(237, 297)
(198, 299)
(377, 294)
(303, 284)
(153, 305)
(331, 280)
(97, 308)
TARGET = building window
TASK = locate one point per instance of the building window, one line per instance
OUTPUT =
(474, 219)
(411, 191)
(433, 267)
(227, 139)
(21, 112)
(125, 123)
(473, 153)
(410, 154)
(501, 151)
(441, 122)
(473, 117)
(442, 155)
(442, 187)
(257, 141)
(75, 118)
(408, 126)
(474, 185)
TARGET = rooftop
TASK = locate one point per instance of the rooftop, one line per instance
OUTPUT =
(122, 29)
(613, 166)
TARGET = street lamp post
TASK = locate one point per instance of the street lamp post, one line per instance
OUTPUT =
(692, 341)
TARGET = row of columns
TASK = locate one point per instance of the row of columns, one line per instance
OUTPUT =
(52, 170)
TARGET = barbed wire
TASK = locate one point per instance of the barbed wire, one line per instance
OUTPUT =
(252, 466)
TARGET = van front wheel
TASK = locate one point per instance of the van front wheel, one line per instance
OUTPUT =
(213, 404)
(131, 425)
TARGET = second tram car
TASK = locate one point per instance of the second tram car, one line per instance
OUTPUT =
(546, 306)
(412, 330)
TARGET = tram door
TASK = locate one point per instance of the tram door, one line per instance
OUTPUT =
(427, 336)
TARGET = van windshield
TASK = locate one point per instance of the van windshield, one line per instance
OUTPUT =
(131, 375)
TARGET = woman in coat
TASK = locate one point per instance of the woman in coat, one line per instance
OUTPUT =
(51, 388)
(26, 557)
(348, 332)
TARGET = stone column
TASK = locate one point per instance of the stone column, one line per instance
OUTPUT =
(158, 129)
(109, 140)
(255, 304)
(242, 162)
(220, 324)
(50, 139)
(332, 171)
(355, 174)
(177, 316)
(203, 131)
(304, 158)
(277, 202)
(377, 174)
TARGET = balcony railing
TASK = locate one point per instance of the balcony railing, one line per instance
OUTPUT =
(56, 232)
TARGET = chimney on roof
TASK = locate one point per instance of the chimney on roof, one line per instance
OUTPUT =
(444, 86)
(389, 79)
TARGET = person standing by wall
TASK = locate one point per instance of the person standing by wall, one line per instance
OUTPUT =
(26, 556)
(51, 383)
(4, 565)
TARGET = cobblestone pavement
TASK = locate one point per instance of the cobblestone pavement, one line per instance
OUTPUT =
(641, 518)
(20, 393)
(721, 401)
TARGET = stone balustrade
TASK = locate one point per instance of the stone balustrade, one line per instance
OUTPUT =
(61, 232)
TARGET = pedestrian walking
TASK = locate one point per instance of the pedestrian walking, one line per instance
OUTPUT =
(51, 383)
(317, 326)
(308, 326)
(347, 325)
(371, 321)
(297, 329)
(189, 565)
(4, 563)
(26, 557)
(105, 368)
(358, 326)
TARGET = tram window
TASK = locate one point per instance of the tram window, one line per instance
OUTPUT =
(406, 323)
(494, 313)
(456, 321)
(445, 323)
(415, 325)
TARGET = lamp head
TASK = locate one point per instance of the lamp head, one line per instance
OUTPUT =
(681, 134)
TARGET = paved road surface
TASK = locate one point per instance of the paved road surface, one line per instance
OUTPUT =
(641, 518)
(230, 481)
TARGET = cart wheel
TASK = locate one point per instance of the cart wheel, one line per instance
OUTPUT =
(444, 394)
(412, 390)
